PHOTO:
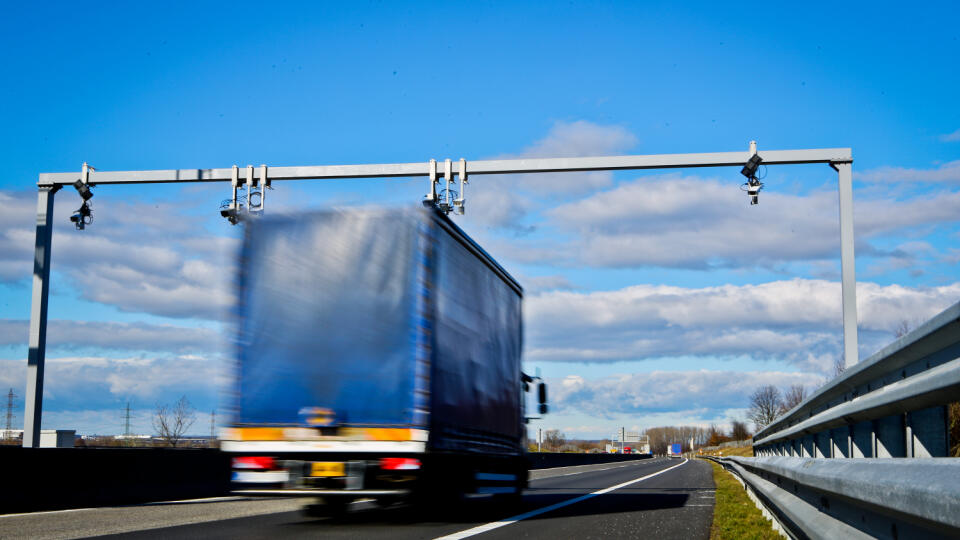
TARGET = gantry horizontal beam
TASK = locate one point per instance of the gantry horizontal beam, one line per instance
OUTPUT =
(494, 166)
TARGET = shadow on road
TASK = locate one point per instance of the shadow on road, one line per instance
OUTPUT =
(486, 510)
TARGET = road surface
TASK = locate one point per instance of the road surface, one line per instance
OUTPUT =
(662, 498)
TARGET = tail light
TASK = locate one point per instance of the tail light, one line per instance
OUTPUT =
(254, 462)
(399, 464)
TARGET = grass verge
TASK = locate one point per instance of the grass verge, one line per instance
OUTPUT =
(744, 451)
(734, 515)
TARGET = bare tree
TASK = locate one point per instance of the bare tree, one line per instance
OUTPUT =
(765, 406)
(739, 430)
(838, 367)
(715, 436)
(172, 424)
(554, 439)
(903, 329)
(793, 396)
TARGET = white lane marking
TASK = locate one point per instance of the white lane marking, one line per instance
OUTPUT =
(627, 464)
(191, 501)
(155, 503)
(497, 524)
(45, 512)
(584, 472)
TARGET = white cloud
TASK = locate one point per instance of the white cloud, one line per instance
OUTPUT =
(951, 137)
(535, 284)
(148, 258)
(796, 320)
(503, 201)
(687, 222)
(77, 382)
(702, 392)
(113, 335)
(945, 173)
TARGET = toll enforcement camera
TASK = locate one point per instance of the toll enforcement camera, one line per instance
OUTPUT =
(228, 209)
(82, 217)
(753, 185)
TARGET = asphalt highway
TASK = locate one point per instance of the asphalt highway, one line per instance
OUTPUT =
(662, 498)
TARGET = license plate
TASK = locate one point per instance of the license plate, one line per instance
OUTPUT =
(327, 468)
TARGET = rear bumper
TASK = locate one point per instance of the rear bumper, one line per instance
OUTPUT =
(366, 475)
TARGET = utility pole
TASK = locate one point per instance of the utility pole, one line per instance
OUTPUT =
(126, 421)
(10, 398)
(213, 426)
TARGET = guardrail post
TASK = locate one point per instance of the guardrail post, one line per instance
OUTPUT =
(849, 441)
(806, 449)
(864, 440)
(908, 432)
(891, 441)
(823, 445)
(839, 441)
(927, 432)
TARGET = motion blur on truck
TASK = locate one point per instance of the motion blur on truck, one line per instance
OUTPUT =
(378, 356)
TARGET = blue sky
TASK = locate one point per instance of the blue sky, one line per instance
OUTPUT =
(647, 304)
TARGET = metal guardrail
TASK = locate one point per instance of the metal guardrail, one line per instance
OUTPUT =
(856, 498)
(893, 404)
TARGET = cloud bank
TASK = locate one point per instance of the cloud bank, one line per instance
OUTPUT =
(798, 321)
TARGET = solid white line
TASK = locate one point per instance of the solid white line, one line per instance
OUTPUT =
(191, 501)
(626, 464)
(497, 524)
(155, 503)
(46, 512)
(583, 472)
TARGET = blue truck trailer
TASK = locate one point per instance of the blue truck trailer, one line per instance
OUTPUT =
(378, 356)
(675, 450)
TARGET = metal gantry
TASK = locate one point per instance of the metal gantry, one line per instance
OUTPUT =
(840, 159)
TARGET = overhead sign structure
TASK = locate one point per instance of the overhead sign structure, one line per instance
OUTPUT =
(840, 159)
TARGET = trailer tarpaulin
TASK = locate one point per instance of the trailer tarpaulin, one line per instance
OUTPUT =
(328, 318)
(386, 317)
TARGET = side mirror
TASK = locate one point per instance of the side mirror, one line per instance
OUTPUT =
(542, 393)
(543, 408)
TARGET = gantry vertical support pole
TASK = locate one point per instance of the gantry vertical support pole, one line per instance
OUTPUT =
(38, 317)
(847, 272)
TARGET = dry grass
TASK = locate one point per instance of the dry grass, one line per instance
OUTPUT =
(743, 451)
(734, 515)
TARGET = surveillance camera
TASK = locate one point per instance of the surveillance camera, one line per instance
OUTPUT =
(750, 168)
(83, 190)
(753, 190)
(231, 214)
(82, 217)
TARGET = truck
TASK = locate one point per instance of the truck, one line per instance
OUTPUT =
(378, 355)
(675, 450)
